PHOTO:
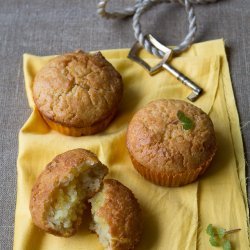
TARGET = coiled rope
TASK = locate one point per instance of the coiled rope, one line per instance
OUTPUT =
(140, 7)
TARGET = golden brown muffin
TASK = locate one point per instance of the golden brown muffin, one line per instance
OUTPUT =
(59, 193)
(78, 93)
(166, 152)
(116, 216)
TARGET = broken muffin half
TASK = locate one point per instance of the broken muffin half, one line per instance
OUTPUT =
(116, 216)
(60, 193)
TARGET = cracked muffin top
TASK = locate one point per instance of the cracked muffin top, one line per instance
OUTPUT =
(77, 89)
(157, 138)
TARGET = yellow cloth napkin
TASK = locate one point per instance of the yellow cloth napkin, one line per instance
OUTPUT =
(174, 218)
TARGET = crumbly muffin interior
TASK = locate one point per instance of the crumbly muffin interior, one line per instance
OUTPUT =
(65, 212)
(99, 225)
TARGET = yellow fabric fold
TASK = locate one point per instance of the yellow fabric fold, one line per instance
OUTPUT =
(173, 218)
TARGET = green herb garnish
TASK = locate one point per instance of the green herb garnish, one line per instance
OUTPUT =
(221, 232)
(218, 236)
(210, 230)
(213, 241)
(227, 245)
(187, 123)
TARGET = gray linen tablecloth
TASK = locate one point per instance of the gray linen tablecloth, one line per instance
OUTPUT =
(45, 27)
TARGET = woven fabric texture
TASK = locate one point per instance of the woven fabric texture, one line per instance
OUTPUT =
(53, 27)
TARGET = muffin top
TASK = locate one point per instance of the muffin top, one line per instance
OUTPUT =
(157, 136)
(77, 89)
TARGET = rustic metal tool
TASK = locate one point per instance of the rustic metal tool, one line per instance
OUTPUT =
(133, 55)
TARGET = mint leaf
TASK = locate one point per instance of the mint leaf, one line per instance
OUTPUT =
(227, 245)
(218, 236)
(187, 123)
(220, 232)
(210, 230)
(213, 241)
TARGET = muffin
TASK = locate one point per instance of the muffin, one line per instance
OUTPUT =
(171, 142)
(60, 193)
(78, 93)
(116, 216)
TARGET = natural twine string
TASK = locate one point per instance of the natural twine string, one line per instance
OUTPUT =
(140, 7)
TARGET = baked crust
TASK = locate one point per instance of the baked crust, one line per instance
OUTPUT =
(54, 175)
(78, 90)
(122, 213)
(162, 151)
